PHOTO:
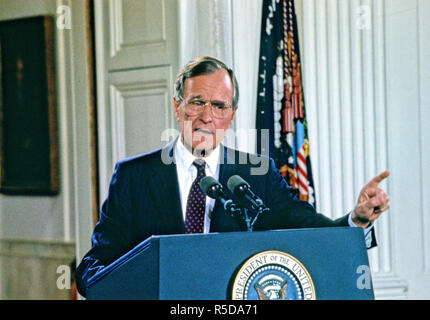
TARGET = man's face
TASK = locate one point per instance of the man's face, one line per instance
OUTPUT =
(204, 131)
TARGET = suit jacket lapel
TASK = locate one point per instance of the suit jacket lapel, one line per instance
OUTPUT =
(169, 203)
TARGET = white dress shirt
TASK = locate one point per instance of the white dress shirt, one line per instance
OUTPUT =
(187, 173)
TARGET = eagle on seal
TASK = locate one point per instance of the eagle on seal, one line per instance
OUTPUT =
(272, 294)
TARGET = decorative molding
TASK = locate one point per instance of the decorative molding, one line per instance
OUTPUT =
(116, 26)
(65, 80)
(390, 288)
(117, 112)
(134, 87)
(29, 268)
(117, 29)
(41, 249)
(90, 41)
(423, 29)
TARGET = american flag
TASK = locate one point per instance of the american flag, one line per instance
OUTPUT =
(280, 100)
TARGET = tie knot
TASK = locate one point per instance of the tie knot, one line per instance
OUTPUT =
(200, 165)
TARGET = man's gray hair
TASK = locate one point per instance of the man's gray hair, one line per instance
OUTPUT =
(200, 66)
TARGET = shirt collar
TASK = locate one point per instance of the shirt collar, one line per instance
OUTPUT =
(184, 158)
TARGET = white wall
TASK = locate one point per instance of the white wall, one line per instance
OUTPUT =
(31, 217)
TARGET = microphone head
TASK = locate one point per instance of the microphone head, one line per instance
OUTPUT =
(209, 185)
(234, 182)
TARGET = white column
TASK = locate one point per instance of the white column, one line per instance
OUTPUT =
(246, 53)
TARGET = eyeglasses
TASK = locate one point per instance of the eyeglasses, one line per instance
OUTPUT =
(219, 109)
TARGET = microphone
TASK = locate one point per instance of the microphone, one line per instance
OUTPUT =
(241, 189)
(212, 188)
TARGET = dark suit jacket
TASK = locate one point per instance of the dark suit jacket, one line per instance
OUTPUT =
(144, 200)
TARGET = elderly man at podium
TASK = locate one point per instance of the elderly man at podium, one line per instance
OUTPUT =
(160, 192)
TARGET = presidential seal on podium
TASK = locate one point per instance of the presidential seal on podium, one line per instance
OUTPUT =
(273, 275)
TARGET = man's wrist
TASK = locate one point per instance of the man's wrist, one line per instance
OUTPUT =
(360, 221)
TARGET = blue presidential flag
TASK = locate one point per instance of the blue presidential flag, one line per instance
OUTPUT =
(280, 101)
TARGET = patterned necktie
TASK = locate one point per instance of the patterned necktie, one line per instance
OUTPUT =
(196, 203)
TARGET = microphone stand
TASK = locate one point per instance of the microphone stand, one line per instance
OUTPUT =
(260, 211)
(247, 218)
(242, 211)
(250, 222)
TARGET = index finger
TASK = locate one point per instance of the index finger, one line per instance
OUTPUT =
(378, 179)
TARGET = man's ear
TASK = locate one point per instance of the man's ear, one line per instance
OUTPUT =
(234, 114)
(176, 108)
